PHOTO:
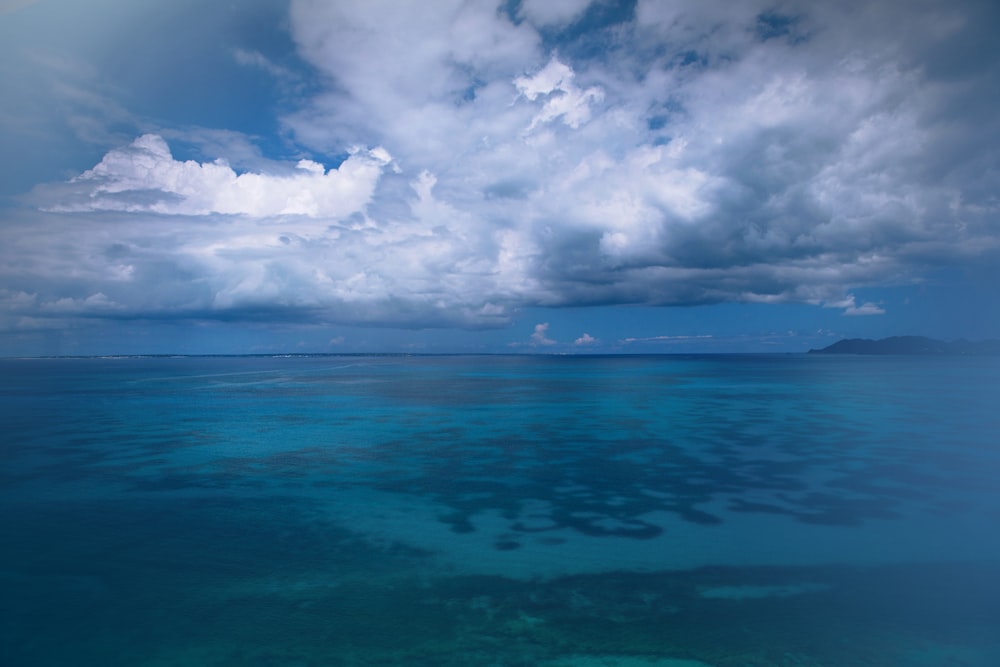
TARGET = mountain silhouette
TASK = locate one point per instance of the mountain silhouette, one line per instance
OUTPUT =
(912, 345)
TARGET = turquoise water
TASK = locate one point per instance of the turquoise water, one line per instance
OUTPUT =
(511, 510)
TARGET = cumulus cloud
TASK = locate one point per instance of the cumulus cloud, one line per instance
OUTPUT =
(706, 152)
(564, 100)
(851, 308)
(430, 82)
(144, 177)
(540, 335)
(586, 339)
(867, 308)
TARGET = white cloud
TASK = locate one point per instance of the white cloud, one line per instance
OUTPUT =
(867, 308)
(563, 98)
(540, 335)
(260, 61)
(421, 80)
(699, 153)
(144, 177)
(585, 339)
(851, 308)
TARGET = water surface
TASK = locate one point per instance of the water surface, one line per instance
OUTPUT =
(500, 510)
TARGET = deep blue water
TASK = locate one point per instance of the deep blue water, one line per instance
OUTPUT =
(512, 510)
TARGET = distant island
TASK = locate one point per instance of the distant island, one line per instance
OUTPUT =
(913, 345)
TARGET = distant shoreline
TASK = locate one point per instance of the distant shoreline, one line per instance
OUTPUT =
(911, 345)
(893, 345)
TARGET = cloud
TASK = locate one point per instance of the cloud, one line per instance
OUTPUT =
(144, 177)
(428, 81)
(249, 58)
(666, 339)
(93, 304)
(851, 308)
(704, 153)
(867, 308)
(291, 268)
(586, 339)
(540, 335)
(564, 100)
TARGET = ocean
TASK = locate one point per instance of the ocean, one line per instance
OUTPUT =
(561, 511)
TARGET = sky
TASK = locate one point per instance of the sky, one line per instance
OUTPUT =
(526, 176)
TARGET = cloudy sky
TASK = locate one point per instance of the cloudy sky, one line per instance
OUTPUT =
(483, 176)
